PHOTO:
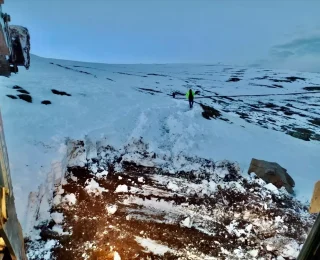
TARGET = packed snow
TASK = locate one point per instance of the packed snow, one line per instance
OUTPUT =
(70, 198)
(153, 246)
(93, 187)
(122, 188)
(57, 217)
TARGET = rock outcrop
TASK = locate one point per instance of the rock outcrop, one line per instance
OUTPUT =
(272, 172)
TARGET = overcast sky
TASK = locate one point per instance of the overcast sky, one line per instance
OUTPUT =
(273, 33)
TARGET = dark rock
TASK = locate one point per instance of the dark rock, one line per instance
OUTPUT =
(301, 133)
(12, 96)
(293, 79)
(46, 102)
(243, 115)
(288, 79)
(25, 97)
(270, 105)
(150, 90)
(315, 121)
(312, 88)
(272, 172)
(206, 116)
(233, 79)
(254, 106)
(304, 130)
(315, 137)
(302, 136)
(262, 78)
(17, 87)
(209, 112)
(155, 74)
(261, 85)
(61, 93)
(288, 113)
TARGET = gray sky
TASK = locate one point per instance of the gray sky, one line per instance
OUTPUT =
(273, 33)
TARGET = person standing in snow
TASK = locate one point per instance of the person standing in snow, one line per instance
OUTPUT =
(190, 97)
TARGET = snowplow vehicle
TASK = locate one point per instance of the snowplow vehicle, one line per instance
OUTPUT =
(14, 52)
(14, 45)
(311, 248)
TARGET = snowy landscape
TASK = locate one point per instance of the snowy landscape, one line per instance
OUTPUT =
(107, 164)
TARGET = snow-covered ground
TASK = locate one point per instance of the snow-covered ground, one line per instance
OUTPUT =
(121, 102)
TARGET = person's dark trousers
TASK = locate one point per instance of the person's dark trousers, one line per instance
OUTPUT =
(191, 102)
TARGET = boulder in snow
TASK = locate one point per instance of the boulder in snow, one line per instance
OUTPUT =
(272, 172)
(209, 112)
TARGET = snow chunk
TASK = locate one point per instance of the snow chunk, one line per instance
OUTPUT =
(272, 188)
(239, 253)
(230, 228)
(270, 248)
(140, 179)
(59, 230)
(57, 200)
(47, 247)
(94, 188)
(224, 251)
(172, 186)
(249, 228)
(60, 190)
(122, 188)
(112, 209)
(260, 181)
(57, 217)
(102, 174)
(94, 168)
(291, 250)
(254, 252)
(74, 178)
(212, 186)
(187, 222)
(278, 219)
(89, 245)
(70, 199)
(152, 246)
(237, 186)
(116, 256)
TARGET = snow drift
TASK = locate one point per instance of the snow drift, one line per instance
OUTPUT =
(111, 202)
